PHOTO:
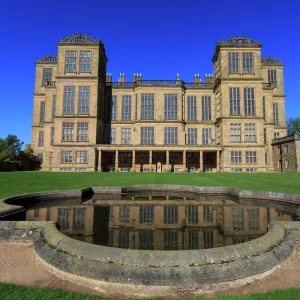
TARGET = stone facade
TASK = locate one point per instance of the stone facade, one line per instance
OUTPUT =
(286, 153)
(85, 121)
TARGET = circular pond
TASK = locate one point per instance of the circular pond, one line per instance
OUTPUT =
(157, 220)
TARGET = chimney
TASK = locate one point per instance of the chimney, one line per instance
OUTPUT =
(136, 77)
(197, 79)
(177, 76)
(209, 78)
(108, 77)
(121, 77)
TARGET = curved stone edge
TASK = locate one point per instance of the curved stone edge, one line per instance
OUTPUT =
(108, 264)
(154, 267)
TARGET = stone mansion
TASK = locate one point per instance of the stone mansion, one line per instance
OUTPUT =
(83, 120)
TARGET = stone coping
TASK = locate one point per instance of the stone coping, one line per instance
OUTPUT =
(146, 267)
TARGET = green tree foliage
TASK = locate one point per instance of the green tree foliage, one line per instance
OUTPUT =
(13, 158)
(293, 126)
(9, 147)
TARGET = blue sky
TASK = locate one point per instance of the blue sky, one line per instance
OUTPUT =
(155, 38)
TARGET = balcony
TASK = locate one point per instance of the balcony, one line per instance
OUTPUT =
(164, 83)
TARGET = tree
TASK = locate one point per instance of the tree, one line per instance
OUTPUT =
(293, 126)
(9, 147)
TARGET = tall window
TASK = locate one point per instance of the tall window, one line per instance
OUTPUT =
(69, 99)
(147, 135)
(192, 136)
(83, 131)
(171, 135)
(275, 114)
(193, 214)
(70, 62)
(126, 136)
(266, 157)
(206, 135)
(146, 213)
(208, 239)
(250, 157)
(53, 107)
(52, 135)
(235, 132)
(147, 107)
(236, 157)
(265, 136)
(51, 158)
(81, 157)
(64, 218)
(124, 213)
(170, 107)
(248, 62)
(208, 213)
(47, 75)
(171, 240)
(206, 108)
(123, 239)
(84, 100)
(170, 214)
(253, 219)
(68, 132)
(287, 163)
(79, 218)
(234, 62)
(126, 107)
(41, 139)
(272, 77)
(85, 62)
(113, 108)
(193, 240)
(42, 113)
(235, 108)
(146, 240)
(192, 108)
(112, 136)
(250, 133)
(66, 157)
(249, 102)
(237, 219)
(264, 107)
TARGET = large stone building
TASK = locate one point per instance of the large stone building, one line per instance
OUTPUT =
(83, 120)
(286, 153)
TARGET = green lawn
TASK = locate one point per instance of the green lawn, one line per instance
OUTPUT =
(23, 182)
(15, 292)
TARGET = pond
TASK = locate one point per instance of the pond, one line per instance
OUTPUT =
(161, 220)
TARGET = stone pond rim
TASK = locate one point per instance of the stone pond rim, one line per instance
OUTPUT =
(153, 267)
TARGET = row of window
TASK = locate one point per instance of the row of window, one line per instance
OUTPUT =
(234, 62)
(84, 62)
(249, 170)
(71, 170)
(66, 156)
(235, 133)
(237, 157)
(170, 135)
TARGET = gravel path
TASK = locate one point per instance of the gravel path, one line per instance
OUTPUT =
(19, 265)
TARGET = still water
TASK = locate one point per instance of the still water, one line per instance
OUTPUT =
(161, 221)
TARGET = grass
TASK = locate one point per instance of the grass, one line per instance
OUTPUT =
(24, 182)
(16, 292)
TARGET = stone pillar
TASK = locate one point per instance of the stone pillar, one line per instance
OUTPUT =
(133, 160)
(100, 161)
(150, 160)
(117, 160)
(201, 160)
(184, 160)
(218, 161)
(167, 159)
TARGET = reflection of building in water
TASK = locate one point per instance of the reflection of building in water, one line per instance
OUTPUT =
(161, 224)
(75, 220)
